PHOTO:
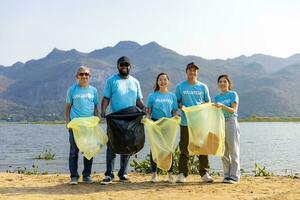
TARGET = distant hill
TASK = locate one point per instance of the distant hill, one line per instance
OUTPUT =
(36, 90)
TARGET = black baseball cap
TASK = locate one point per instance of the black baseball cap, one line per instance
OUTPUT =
(124, 59)
(190, 65)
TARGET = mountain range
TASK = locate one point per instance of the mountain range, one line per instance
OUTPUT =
(36, 90)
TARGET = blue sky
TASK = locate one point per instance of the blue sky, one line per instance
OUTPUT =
(30, 29)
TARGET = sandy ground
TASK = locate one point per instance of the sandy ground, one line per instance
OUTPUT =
(32, 187)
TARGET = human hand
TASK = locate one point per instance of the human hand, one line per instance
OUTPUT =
(103, 115)
(218, 105)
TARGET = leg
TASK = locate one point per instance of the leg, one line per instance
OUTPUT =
(87, 167)
(226, 161)
(152, 164)
(123, 165)
(184, 153)
(110, 161)
(203, 164)
(73, 156)
(234, 149)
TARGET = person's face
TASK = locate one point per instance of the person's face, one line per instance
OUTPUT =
(83, 76)
(163, 81)
(192, 73)
(124, 68)
(223, 84)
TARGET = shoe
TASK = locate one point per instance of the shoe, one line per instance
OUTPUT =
(207, 178)
(232, 181)
(74, 181)
(153, 178)
(225, 180)
(107, 180)
(171, 178)
(124, 178)
(180, 178)
(87, 179)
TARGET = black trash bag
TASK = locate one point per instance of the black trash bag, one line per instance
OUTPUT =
(125, 130)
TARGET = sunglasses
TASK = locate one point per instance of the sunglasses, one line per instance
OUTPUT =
(84, 74)
(125, 64)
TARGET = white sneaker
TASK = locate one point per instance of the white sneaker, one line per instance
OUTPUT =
(207, 178)
(171, 178)
(180, 178)
(153, 178)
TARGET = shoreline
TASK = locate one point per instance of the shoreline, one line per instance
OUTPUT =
(241, 120)
(37, 187)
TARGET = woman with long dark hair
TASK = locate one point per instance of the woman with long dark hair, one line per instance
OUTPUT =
(161, 103)
(228, 100)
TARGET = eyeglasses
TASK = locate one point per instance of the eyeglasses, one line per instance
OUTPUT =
(84, 74)
(124, 64)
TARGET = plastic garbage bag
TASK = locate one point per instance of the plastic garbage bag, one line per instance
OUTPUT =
(125, 130)
(206, 127)
(161, 135)
(88, 135)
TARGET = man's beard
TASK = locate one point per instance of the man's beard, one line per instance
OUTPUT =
(124, 73)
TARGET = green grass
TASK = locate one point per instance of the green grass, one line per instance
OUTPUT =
(47, 155)
(270, 119)
(24, 170)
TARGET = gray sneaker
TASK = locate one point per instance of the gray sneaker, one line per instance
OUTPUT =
(74, 181)
(87, 179)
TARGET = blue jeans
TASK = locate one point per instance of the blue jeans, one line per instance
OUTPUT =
(110, 162)
(73, 159)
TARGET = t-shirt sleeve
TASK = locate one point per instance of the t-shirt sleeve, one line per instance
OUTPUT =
(96, 97)
(107, 89)
(69, 98)
(206, 95)
(234, 98)
(139, 92)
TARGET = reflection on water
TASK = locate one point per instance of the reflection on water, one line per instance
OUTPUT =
(274, 145)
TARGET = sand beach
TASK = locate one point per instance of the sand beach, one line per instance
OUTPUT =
(56, 187)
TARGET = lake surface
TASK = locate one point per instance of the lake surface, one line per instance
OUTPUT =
(275, 145)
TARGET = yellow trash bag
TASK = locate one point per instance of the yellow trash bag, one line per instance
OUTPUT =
(162, 136)
(206, 127)
(88, 135)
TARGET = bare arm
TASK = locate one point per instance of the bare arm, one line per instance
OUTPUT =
(96, 112)
(104, 104)
(140, 104)
(231, 109)
(148, 111)
(67, 113)
(179, 104)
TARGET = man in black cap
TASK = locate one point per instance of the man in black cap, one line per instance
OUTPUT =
(120, 91)
(189, 93)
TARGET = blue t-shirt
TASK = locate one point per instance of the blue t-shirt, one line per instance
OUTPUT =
(122, 92)
(162, 104)
(227, 99)
(83, 100)
(191, 95)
